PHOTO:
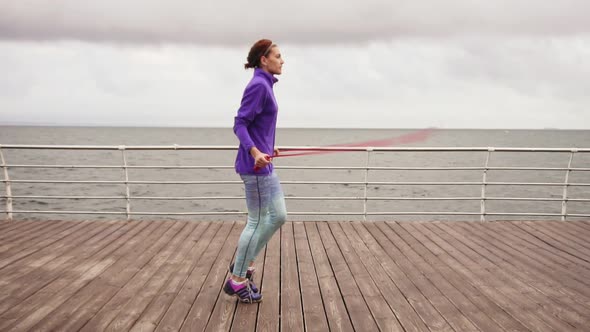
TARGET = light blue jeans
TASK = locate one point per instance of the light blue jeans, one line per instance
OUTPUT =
(266, 214)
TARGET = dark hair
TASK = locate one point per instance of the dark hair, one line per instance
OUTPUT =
(260, 48)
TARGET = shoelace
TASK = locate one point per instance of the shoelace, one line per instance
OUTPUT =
(249, 291)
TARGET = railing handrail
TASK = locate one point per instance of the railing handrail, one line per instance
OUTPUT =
(365, 197)
(291, 148)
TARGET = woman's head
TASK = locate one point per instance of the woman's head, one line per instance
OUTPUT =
(265, 55)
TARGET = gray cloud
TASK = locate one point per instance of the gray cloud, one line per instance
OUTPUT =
(290, 21)
(506, 83)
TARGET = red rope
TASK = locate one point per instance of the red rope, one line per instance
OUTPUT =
(417, 136)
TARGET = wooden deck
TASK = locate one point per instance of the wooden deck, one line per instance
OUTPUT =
(167, 276)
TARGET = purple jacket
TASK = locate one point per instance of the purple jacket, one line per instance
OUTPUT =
(256, 122)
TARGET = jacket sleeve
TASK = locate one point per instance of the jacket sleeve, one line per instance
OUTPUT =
(251, 105)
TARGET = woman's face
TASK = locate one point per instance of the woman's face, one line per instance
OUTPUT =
(273, 62)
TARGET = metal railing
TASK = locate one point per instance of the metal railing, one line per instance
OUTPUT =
(366, 183)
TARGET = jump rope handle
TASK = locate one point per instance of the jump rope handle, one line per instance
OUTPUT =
(256, 168)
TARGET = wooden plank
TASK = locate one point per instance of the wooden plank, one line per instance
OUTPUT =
(154, 276)
(406, 276)
(15, 230)
(550, 286)
(359, 312)
(437, 286)
(32, 282)
(466, 276)
(6, 225)
(269, 308)
(51, 253)
(43, 302)
(498, 275)
(362, 241)
(336, 312)
(564, 247)
(562, 307)
(544, 242)
(24, 239)
(380, 310)
(313, 308)
(245, 316)
(131, 286)
(32, 245)
(567, 232)
(18, 229)
(177, 270)
(19, 279)
(532, 258)
(291, 306)
(81, 307)
(32, 273)
(88, 299)
(212, 309)
(582, 224)
(412, 264)
(563, 257)
(181, 304)
(138, 284)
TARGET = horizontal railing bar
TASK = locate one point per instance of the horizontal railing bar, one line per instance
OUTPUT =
(466, 168)
(119, 147)
(535, 169)
(118, 167)
(376, 168)
(466, 183)
(377, 198)
(445, 213)
(535, 199)
(307, 182)
(406, 213)
(312, 198)
(524, 214)
(123, 182)
(65, 197)
(131, 197)
(432, 149)
(64, 212)
(125, 213)
(288, 148)
(477, 199)
(477, 214)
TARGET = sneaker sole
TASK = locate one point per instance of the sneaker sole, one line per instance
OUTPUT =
(246, 301)
(240, 299)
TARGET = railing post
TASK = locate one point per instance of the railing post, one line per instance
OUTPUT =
(8, 189)
(482, 216)
(567, 177)
(369, 150)
(127, 196)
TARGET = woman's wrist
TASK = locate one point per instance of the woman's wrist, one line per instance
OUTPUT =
(254, 152)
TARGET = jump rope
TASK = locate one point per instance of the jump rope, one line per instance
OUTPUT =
(412, 137)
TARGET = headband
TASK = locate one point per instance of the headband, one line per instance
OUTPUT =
(268, 49)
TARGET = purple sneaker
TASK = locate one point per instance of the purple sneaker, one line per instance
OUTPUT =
(242, 291)
(249, 275)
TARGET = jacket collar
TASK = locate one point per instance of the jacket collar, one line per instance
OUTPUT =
(266, 75)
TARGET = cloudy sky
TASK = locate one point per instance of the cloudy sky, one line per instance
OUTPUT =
(360, 63)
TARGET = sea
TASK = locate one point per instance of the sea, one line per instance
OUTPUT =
(321, 198)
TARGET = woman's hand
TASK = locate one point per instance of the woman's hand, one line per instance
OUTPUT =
(262, 160)
(276, 152)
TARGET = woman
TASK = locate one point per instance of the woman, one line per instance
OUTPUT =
(255, 127)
